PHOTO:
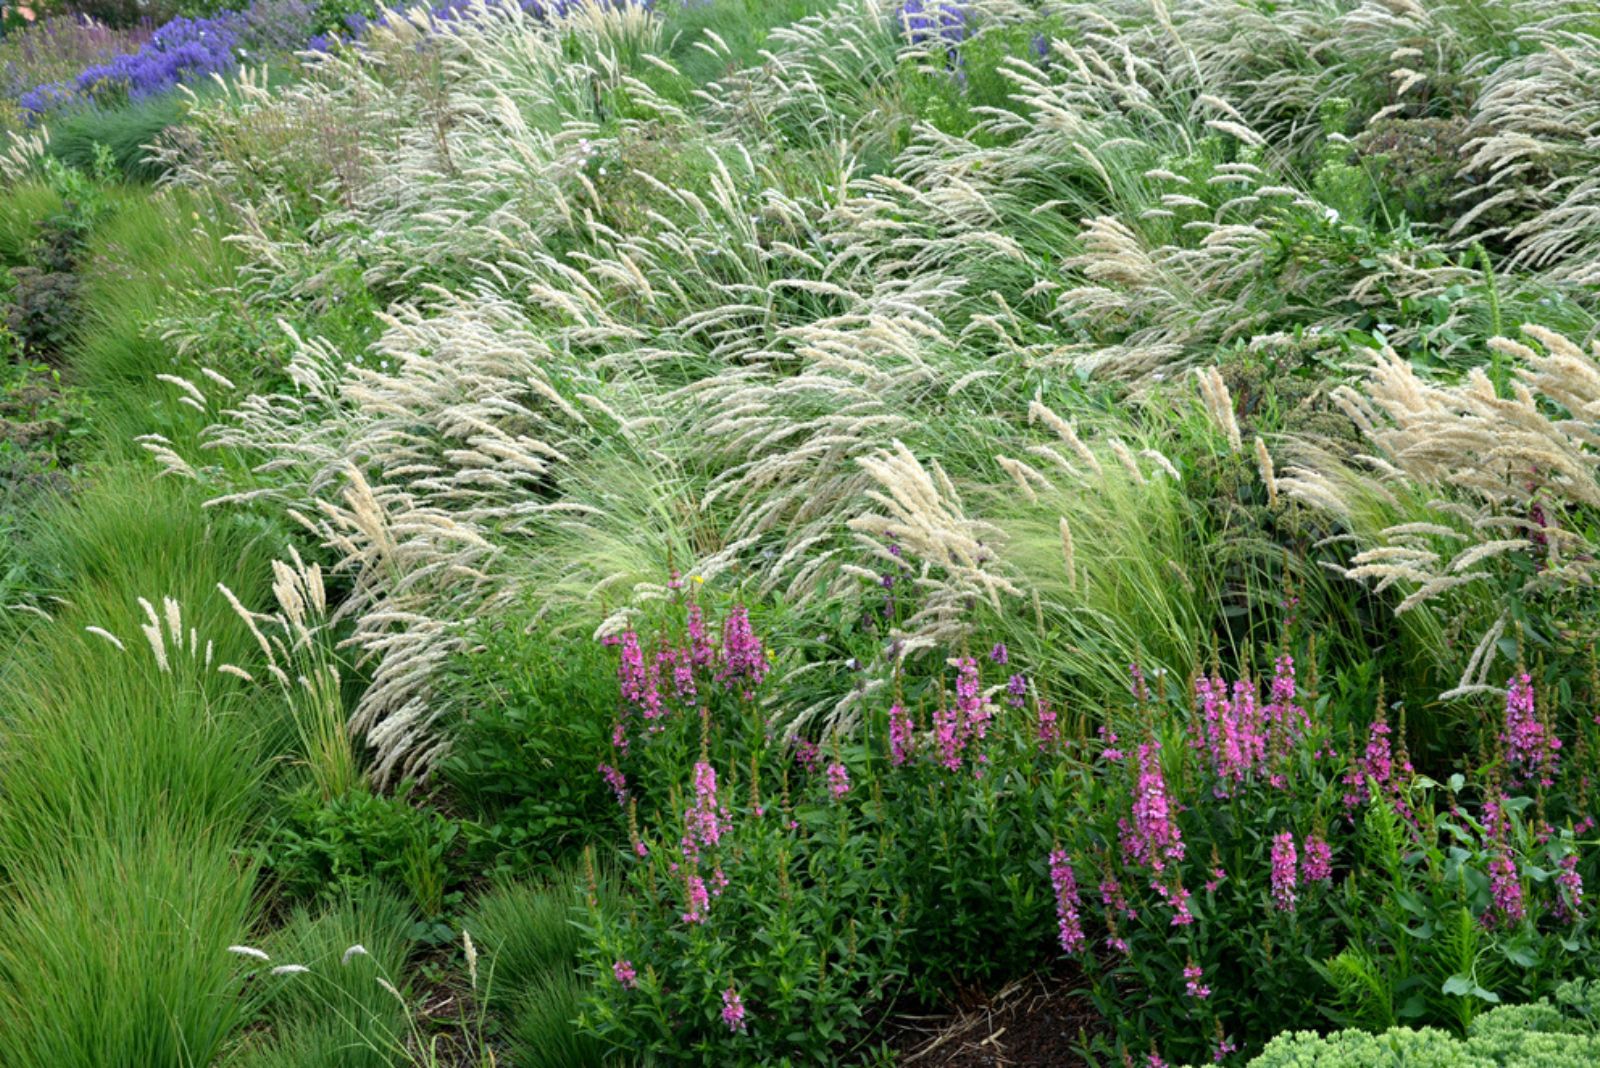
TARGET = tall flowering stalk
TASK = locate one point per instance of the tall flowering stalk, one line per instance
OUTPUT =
(902, 734)
(1069, 924)
(1284, 872)
(1153, 838)
(1317, 863)
(744, 661)
(1532, 749)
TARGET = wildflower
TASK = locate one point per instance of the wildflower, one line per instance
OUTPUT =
(699, 900)
(1141, 691)
(1317, 864)
(838, 779)
(1153, 838)
(1532, 749)
(1108, 740)
(625, 975)
(1192, 974)
(706, 820)
(999, 654)
(806, 754)
(1065, 885)
(742, 659)
(1016, 690)
(901, 734)
(1284, 862)
(947, 736)
(1505, 891)
(733, 1011)
(974, 716)
(1225, 1046)
(1115, 902)
(616, 780)
(1569, 889)
(701, 654)
(1049, 733)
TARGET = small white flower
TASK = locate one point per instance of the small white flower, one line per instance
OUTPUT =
(602, 172)
(249, 951)
(290, 969)
(1331, 214)
(357, 950)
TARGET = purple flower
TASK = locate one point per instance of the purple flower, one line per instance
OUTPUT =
(1569, 888)
(927, 20)
(1016, 690)
(743, 659)
(1284, 866)
(705, 821)
(1192, 974)
(1505, 890)
(733, 1011)
(699, 901)
(1153, 837)
(902, 735)
(838, 780)
(616, 780)
(999, 654)
(1317, 864)
(1049, 733)
(625, 975)
(1065, 884)
(1532, 748)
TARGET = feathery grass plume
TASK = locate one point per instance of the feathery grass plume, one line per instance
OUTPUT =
(1504, 477)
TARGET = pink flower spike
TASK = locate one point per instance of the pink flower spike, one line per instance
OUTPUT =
(733, 1011)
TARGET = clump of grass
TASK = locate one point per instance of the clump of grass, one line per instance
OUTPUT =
(531, 944)
(336, 1013)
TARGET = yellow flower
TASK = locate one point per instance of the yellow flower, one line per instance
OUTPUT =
(698, 580)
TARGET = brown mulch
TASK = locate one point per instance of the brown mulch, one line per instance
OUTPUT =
(1028, 1023)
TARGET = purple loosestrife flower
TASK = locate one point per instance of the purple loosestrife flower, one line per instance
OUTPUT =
(1284, 867)
(947, 737)
(616, 780)
(1192, 974)
(902, 735)
(999, 654)
(1505, 890)
(1137, 685)
(700, 652)
(1317, 864)
(744, 662)
(1532, 749)
(1065, 884)
(838, 780)
(1114, 900)
(1049, 734)
(1153, 838)
(705, 821)
(1016, 690)
(1569, 890)
(733, 1011)
(699, 902)
(625, 975)
(969, 700)
(806, 754)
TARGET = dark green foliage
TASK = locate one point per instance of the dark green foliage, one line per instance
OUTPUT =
(524, 759)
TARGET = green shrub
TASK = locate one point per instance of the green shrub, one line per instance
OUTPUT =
(523, 759)
(1541, 1035)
